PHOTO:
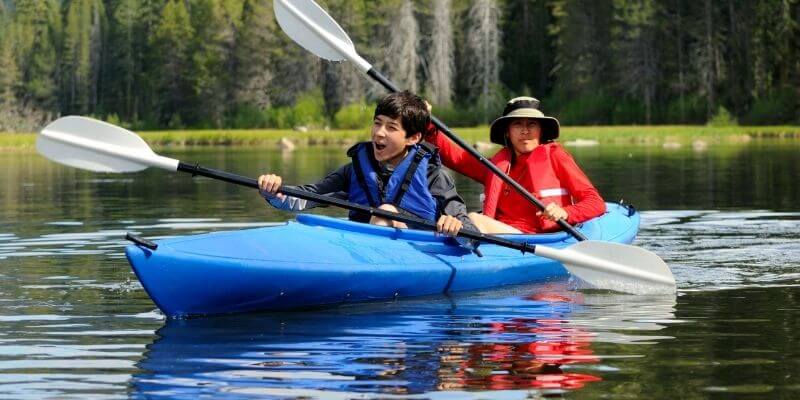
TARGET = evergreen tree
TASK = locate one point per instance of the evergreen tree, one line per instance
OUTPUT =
(14, 116)
(4, 20)
(295, 71)
(172, 60)
(10, 73)
(402, 57)
(483, 57)
(675, 61)
(38, 31)
(124, 57)
(583, 67)
(193, 63)
(8, 64)
(635, 50)
(775, 49)
(527, 52)
(81, 55)
(441, 62)
(342, 83)
(214, 26)
(256, 41)
(708, 40)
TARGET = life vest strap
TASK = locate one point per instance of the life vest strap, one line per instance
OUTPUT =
(422, 151)
(362, 180)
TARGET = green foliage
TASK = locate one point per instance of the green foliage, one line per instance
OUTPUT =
(172, 62)
(280, 117)
(10, 73)
(309, 111)
(354, 116)
(587, 108)
(38, 27)
(686, 110)
(777, 107)
(722, 118)
(175, 122)
(81, 55)
(215, 63)
(628, 111)
(247, 116)
(459, 116)
(115, 120)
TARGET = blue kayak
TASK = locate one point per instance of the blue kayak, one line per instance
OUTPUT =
(317, 261)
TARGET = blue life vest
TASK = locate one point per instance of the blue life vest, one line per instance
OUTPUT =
(406, 188)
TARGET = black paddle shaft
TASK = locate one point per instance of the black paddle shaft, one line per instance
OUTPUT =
(488, 164)
(252, 183)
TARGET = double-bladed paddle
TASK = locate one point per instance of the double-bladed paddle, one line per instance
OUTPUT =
(102, 147)
(312, 28)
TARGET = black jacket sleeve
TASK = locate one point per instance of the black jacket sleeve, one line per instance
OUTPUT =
(336, 184)
(449, 202)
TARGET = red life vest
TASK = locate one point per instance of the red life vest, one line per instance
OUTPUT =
(538, 177)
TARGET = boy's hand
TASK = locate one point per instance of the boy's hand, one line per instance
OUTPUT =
(449, 225)
(269, 184)
(553, 212)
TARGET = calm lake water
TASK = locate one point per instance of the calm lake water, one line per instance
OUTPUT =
(75, 323)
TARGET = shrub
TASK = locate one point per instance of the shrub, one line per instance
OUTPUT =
(454, 116)
(309, 110)
(722, 118)
(248, 116)
(354, 116)
(280, 117)
(588, 108)
(175, 122)
(775, 108)
(629, 111)
(689, 110)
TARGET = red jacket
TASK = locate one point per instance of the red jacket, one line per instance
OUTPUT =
(547, 168)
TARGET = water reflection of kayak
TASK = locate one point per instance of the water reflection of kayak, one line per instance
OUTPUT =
(475, 343)
(320, 260)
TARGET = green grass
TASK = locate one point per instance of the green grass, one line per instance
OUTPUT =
(645, 135)
(683, 134)
(17, 140)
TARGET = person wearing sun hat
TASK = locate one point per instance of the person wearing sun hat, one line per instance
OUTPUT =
(532, 157)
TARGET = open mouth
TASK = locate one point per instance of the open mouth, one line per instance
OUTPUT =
(379, 147)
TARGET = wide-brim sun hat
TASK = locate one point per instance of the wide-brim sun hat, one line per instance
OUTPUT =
(523, 107)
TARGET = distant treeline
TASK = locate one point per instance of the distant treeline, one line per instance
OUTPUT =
(225, 63)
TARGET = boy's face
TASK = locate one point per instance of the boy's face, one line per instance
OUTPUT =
(389, 141)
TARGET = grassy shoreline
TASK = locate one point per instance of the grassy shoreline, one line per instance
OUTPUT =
(628, 134)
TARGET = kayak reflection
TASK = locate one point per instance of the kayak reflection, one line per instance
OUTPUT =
(530, 364)
(473, 343)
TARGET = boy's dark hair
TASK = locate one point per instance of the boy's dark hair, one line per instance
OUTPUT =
(410, 108)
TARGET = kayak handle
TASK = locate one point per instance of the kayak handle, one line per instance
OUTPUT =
(140, 241)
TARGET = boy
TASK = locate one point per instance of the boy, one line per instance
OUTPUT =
(393, 172)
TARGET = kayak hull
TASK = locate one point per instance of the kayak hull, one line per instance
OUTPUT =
(317, 261)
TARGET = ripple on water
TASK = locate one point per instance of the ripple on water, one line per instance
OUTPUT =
(511, 343)
(714, 249)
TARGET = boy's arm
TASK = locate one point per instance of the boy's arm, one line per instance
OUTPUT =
(449, 202)
(334, 185)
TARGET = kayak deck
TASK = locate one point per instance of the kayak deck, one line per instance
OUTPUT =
(320, 260)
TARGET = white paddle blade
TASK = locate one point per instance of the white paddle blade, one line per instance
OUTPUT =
(98, 146)
(615, 266)
(313, 29)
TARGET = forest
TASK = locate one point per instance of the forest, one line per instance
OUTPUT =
(175, 64)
